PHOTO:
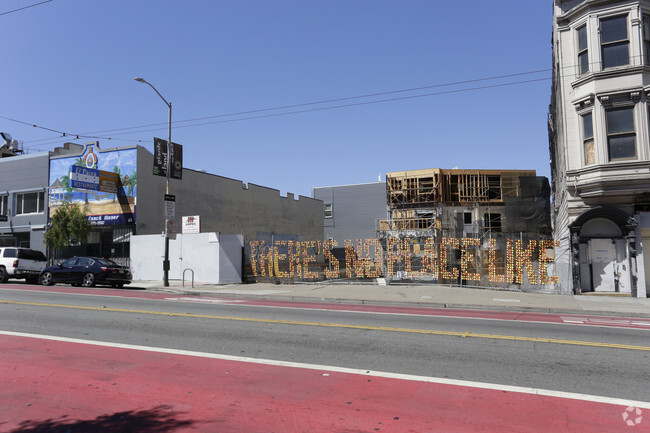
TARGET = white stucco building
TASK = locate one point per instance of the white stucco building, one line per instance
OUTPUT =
(600, 145)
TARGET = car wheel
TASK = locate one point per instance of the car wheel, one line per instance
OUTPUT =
(88, 280)
(4, 276)
(46, 279)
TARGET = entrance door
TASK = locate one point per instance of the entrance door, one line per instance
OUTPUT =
(585, 268)
(603, 264)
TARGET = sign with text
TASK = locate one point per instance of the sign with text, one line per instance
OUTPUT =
(160, 159)
(94, 180)
(191, 224)
(170, 206)
(83, 177)
(109, 181)
(525, 262)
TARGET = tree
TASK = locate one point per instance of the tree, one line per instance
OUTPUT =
(68, 222)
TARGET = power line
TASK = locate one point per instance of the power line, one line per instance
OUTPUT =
(78, 136)
(348, 105)
(25, 7)
(326, 101)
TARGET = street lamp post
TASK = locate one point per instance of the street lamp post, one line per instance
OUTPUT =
(169, 144)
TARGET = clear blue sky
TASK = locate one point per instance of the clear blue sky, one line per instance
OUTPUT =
(69, 65)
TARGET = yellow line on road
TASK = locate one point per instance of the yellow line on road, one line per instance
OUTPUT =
(465, 334)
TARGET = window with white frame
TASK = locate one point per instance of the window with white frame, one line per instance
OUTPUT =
(621, 136)
(30, 202)
(646, 39)
(583, 51)
(328, 210)
(4, 202)
(614, 41)
(588, 139)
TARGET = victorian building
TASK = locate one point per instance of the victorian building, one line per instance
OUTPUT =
(600, 145)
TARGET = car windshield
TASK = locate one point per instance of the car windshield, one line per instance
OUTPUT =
(107, 262)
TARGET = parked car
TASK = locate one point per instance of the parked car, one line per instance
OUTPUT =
(86, 271)
(21, 263)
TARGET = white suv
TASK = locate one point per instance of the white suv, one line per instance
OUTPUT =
(21, 263)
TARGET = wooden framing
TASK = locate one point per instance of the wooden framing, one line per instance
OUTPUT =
(427, 188)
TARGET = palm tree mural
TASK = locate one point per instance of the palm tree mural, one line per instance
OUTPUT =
(116, 169)
(130, 183)
(65, 181)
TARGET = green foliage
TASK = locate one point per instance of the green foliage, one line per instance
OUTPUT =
(131, 183)
(68, 222)
(65, 181)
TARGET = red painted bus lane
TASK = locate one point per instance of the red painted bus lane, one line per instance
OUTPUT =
(67, 386)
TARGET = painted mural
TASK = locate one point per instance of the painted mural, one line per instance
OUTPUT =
(103, 208)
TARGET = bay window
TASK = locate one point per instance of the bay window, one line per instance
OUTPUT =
(588, 139)
(646, 39)
(583, 52)
(614, 41)
(621, 137)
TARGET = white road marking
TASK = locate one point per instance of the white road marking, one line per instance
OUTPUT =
(604, 321)
(207, 300)
(329, 368)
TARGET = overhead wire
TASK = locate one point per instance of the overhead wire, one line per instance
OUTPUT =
(138, 129)
(25, 7)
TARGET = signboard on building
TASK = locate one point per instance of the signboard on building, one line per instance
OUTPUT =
(105, 182)
(93, 179)
(84, 178)
(160, 159)
(109, 181)
(191, 224)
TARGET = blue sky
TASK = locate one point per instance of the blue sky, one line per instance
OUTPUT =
(68, 65)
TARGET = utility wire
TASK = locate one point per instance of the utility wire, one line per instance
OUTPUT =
(25, 7)
(286, 113)
(345, 105)
(138, 129)
(327, 101)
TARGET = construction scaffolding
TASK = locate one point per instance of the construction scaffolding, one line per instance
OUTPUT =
(487, 205)
(415, 197)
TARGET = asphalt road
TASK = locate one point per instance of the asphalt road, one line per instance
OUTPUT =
(602, 361)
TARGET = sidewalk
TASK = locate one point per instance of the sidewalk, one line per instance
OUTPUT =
(434, 296)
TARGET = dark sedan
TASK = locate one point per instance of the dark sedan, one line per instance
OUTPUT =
(86, 271)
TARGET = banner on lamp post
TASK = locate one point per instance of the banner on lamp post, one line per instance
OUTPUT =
(160, 159)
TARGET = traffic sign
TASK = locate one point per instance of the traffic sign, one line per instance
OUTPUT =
(170, 206)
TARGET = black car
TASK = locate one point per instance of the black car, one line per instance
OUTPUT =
(86, 271)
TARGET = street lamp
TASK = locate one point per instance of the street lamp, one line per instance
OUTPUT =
(169, 143)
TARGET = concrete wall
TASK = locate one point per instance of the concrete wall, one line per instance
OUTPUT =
(225, 205)
(25, 173)
(356, 210)
(214, 258)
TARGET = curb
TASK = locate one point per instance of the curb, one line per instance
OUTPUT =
(433, 305)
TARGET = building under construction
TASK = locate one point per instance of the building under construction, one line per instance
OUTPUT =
(486, 204)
